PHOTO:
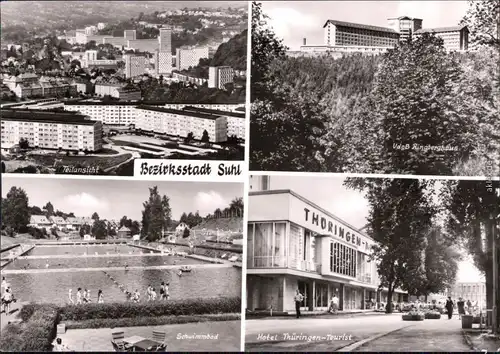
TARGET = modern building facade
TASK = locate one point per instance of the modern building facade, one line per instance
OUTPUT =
(134, 65)
(293, 244)
(475, 292)
(348, 34)
(186, 58)
(455, 38)
(163, 63)
(181, 123)
(130, 35)
(165, 40)
(405, 26)
(219, 76)
(235, 121)
(49, 130)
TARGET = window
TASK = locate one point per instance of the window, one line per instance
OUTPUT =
(343, 259)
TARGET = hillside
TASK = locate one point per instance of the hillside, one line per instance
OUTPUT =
(233, 53)
(223, 224)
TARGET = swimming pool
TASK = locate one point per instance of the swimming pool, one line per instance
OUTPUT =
(68, 268)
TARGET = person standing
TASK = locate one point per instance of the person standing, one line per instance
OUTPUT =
(79, 296)
(449, 307)
(70, 297)
(334, 304)
(461, 308)
(469, 307)
(162, 290)
(298, 302)
(100, 298)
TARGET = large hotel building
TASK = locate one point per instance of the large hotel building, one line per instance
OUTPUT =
(293, 244)
(50, 130)
(340, 36)
(129, 113)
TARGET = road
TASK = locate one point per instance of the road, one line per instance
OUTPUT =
(333, 334)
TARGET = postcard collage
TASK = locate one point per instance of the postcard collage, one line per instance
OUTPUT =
(232, 176)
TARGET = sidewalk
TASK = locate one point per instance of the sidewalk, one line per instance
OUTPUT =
(426, 336)
(262, 315)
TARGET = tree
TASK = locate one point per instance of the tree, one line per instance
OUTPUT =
(237, 206)
(24, 144)
(49, 209)
(155, 215)
(399, 215)
(167, 212)
(189, 138)
(205, 138)
(99, 229)
(415, 102)
(85, 229)
(482, 21)
(186, 233)
(184, 218)
(95, 216)
(15, 210)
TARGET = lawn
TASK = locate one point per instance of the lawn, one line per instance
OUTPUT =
(135, 145)
(101, 162)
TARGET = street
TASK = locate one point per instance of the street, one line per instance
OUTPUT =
(320, 334)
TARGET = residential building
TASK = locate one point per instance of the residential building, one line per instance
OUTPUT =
(181, 227)
(83, 87)
(405, 26)
(58, 221)
(112, 113)
(455, 38)
(187, 78)
(163, 62)
(101, 25)
(181, 123)
(346, 34)
(134, 65)
(186, 58)
(128, 94)
(124, 232)
(165, 40)
(143, 45)
(130, 35)
(40, 222)
(235, 121)
(119, 42)
(219, 76)
(50, 130)
(293, 244)
(473, 291)
(80, 36)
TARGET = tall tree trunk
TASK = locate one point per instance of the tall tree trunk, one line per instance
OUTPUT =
(390, 291)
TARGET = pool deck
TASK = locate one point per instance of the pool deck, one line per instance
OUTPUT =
(117, 255)
(65, 270)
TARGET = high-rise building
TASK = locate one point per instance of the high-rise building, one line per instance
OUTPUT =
(134, 65)
(165, 40)
(339, 33)
(219, 76)
(405, 26)
(130, 35)
(163, 62)
(455, 38)
(186, 58)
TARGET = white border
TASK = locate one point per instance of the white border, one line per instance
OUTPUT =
(246, 188)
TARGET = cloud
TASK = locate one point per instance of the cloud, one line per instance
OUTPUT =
(84, 204)
(207, 202)
(285, 20)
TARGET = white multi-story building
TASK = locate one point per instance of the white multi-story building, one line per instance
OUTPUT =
(454, 38)
(165, 40)
(80, 36)
(181, 123)
(90, 30)
(130, 35)
(112, 113)
(219, 76)
(134, 65)
(186, 58)
(163, 62)
(101, 25)
(50, 130)
(235, 121)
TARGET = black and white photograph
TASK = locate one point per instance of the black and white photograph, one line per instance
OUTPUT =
(372, 264)
(378, 87)
(120, 265)
(88, 87)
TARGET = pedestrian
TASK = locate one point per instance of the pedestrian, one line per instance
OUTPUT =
(461, 308)
(298, 301)
(100, 297)
(4, 283)
(7, 299)
(449, 307)
(70, 297)
(79, 296)
(334, 304)
(469, 307)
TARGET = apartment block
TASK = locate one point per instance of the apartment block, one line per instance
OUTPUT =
(181, 123)
(134, 65)
(50, 130)
(219, 76)
(186, 58)
(165, 40)
(163, 62)
(143, 45)
(130, 35)
(235, 121)
(455, 38)
(113, 113)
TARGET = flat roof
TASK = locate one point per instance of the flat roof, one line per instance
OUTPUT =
(179, 112)
(214, 111)
(305, 200)
(441, 29)
(360, 26)
(45, 116)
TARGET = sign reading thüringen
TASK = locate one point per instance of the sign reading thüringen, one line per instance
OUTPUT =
(189, 170)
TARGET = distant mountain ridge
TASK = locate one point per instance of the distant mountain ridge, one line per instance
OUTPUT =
(233, 53)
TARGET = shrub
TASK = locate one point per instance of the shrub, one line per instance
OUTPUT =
(37, 233)
(151, 309)
(34, 334)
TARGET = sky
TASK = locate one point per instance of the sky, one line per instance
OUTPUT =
(350, 206)
(112, 199)
(295, 20)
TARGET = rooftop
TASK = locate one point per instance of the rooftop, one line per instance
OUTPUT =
(179, 112)
(441, 29)
(45, 116)
(214, 112)
(361, 26)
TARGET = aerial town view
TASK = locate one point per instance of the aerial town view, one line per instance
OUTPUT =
(87, 88)
(82, 271)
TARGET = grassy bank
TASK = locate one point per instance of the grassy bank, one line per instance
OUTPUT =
(37, 329)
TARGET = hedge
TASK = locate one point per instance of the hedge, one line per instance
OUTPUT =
(151, 309)
(35, 334)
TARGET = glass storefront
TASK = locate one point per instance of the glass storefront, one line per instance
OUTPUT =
(322, 299)
(266, 245)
